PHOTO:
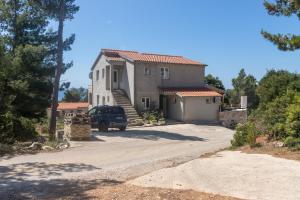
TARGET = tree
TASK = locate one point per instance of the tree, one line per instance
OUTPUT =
(284, 42)
(276, 83)
(244, 85)
(214, 81)
(25, 70)
(25, 41)
(76, 95)
(58, 10)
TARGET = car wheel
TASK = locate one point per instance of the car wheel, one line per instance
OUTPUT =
(123, 128)
(105, 128)
(102, 127)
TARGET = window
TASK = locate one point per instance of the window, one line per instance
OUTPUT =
(208, 100)
(147, 71)
(103, 71)
(117, 110)
(115, 76)
(90, 98)
(97, 75)
(103, 100)
(92, 111)
(175, 100)
(164, 73)
(107, 98)
(97, 100)
(146, 103)
(214, 99)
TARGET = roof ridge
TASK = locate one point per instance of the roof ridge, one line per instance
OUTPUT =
(157, 54)
(119, 50)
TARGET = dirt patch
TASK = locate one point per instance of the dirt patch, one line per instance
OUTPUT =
(281, 152)
(130, 192)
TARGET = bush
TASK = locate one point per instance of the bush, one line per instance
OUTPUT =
(293, 117)
(239, 138)
(245, 134)
(5, 149)
(293, 143)
(278, 131)
(152, 116)
(251, 135)
(14, 128)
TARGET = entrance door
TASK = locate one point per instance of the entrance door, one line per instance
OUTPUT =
(115, 79)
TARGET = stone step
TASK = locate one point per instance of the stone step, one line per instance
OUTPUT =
(122, 100)
(131, 113)
(132, 116)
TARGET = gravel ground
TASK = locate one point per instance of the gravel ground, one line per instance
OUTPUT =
(113, 156)
(130, 192)
(232, 173)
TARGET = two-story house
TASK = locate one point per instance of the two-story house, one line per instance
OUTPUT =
(144, 81)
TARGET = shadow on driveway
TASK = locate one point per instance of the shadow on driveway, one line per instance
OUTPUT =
(16, 181)
(149, 135)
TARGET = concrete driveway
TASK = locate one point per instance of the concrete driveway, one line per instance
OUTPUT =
(232, 173)
(113, 156)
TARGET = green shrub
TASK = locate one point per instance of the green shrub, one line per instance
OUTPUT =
(251, 135)
(293, 117)
(5, 149)
(152, 116)
(240, 136)
(14, 128)
(293, 143)
(278, 131)
(245, 134)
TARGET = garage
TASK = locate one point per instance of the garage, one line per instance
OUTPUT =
(201, 104)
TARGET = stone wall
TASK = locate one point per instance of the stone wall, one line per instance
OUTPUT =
(77, 127)
(230, 118)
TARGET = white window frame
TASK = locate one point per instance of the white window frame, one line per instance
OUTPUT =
(165, 73)
(144, 103)
(147, 71)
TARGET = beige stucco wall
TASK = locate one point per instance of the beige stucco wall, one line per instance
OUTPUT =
(180, 76)
(175, 108)
(196, 108)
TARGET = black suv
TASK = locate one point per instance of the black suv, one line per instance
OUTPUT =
(104, 117)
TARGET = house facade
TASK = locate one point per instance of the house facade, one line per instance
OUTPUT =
(142, 81)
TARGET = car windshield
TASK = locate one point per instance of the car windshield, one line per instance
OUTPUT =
(117, 110)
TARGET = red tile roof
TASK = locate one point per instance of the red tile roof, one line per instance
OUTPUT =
(118, 59)
(199, 94)
(148, 57)
(72, 106)
(191, 92)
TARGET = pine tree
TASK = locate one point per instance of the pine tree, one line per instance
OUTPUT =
(59, 10)
(25, 39)
(76, 95)
(214, 81)
(284, 42)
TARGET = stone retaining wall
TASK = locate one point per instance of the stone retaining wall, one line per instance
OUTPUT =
(233, 117)
(77, 127)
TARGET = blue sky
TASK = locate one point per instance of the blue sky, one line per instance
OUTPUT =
(223, 34)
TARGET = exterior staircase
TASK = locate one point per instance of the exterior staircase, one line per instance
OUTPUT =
(121, 99)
